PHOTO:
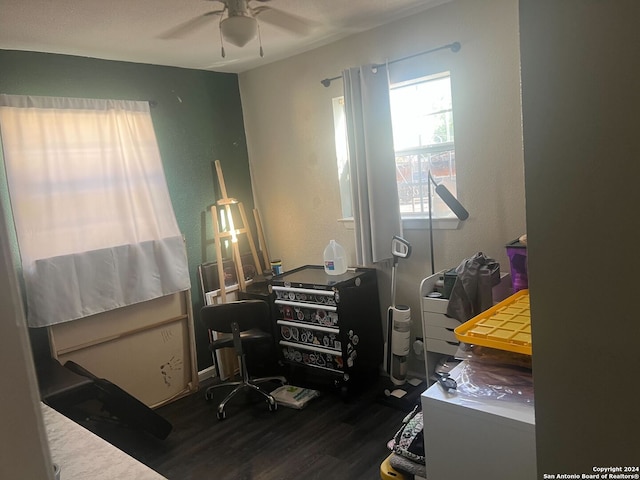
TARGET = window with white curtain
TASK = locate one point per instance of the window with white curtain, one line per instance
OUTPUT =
(95, 225)
(423, 137)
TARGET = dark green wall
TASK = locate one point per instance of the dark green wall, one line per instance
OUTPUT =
(197, 119)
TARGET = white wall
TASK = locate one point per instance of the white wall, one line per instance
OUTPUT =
(24, 453)
(289, 125)
(581, 99)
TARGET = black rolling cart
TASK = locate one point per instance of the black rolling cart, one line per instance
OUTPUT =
(329, 328)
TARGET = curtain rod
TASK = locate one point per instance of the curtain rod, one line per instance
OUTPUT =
(455, 47)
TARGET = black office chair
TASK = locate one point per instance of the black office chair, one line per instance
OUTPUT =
(246, 320)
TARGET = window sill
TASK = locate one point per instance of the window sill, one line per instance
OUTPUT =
(422, 223)
(416, 223)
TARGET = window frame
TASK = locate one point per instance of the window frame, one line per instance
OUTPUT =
(418, 220)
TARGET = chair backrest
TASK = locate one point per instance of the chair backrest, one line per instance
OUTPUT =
(247, 314)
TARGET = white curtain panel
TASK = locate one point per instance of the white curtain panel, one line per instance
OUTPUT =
(376, 208)
(93, 217)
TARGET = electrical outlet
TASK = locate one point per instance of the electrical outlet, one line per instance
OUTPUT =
(418, 347)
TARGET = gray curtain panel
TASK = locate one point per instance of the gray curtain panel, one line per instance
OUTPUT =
(376, 209)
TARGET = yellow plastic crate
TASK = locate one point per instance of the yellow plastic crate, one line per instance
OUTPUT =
(505, 326)
(387, 472)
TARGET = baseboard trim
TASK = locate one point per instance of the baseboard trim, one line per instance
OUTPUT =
(416, 374)
(208, 372)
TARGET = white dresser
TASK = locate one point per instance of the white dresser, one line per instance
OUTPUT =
(477, 438)
(437, 327)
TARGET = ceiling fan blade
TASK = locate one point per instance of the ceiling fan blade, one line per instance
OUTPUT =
(286, 21)
(189, 26)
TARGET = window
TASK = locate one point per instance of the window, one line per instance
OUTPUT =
(423, 136)
(423, 140)
(342, 155)
(93, 217)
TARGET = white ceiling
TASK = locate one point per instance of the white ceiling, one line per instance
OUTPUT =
(130, 30)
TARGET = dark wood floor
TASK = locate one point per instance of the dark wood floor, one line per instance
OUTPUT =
(331, 438)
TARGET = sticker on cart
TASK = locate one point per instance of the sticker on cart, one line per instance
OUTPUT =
(295, 334)
(352, 358)
(355, 340)
(327, 319)
(297, 356)
(287, 312)
(299, 314)
(285, 332)
(316, 339)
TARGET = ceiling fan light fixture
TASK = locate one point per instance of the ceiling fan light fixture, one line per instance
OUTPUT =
(239, 30)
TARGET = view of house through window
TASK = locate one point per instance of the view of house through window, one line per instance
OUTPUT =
(421, 113)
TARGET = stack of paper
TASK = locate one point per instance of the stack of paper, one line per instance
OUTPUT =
(294, 397)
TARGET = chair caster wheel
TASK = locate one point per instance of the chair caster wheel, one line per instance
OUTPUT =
(273, 406)
(208, 396)
(221, 415)
(344, 392)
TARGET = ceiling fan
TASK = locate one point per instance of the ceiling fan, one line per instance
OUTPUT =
(239, 22)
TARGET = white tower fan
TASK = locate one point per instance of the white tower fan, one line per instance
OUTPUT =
(398, 321)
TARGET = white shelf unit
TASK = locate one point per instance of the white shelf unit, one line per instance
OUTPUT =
(438, 328)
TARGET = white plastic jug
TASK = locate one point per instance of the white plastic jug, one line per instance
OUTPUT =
(335, 259)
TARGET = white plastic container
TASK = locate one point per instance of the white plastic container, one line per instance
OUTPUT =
(335, 259)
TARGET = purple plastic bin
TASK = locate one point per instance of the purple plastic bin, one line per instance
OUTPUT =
(517, 253)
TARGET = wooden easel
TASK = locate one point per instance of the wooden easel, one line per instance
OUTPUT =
(232, 232)
(261, 239)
